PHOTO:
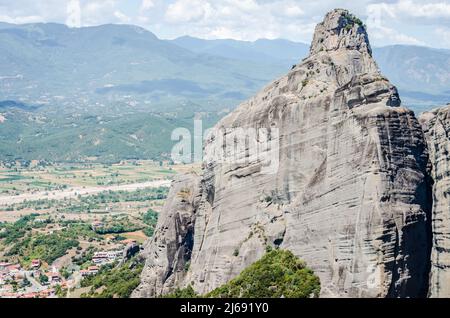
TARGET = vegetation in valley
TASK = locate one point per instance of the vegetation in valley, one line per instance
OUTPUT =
(114, 281)
(20, 177)
(91, 203)
(11, 232)
(47, 246)
(117, 225)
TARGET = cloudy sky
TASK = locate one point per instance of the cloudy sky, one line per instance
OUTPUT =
(417, 22)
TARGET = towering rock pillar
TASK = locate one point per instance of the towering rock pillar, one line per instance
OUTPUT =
(436, 125)
(346, 190)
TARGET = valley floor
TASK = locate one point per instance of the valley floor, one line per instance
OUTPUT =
(79, 191)
(63, 225)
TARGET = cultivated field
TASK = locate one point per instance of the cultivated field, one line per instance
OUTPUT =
(49, 189)
(64, 215)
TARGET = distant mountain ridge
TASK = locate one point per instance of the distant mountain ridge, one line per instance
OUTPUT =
(51, 59)
(56, 64)
(260, 50)
(421, 73)
(115, 72)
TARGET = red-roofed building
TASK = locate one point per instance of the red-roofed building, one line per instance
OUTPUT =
(36, 263)
(93, 269)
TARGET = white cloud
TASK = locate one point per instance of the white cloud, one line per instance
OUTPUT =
(428, 10)
(237, 19)
(183, 11)
(123, 18)
(389, 21)
(21, 19)
(293, 10)
(382, 16)
(95, 12)
(444, 34)
(73, 14)
(404, 9)
(146, 5)
(392, 36)
(243, 5)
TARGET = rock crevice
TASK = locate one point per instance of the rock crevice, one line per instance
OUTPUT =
(436, 125)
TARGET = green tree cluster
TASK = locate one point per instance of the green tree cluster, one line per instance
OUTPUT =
(279, 273)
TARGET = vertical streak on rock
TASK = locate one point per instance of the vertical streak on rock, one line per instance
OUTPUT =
(436, 125)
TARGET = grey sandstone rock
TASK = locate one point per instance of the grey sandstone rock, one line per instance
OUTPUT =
(436, 125)
(350, 195)
(168, 253)
(129, 251)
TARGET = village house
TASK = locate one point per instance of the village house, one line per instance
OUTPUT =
(12, 272)
(96, 225)
(36, 263)
(54, 278)
(101, 258)
(92, 270)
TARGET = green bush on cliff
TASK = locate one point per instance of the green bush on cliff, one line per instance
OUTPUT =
(187, 292)
(278, 273)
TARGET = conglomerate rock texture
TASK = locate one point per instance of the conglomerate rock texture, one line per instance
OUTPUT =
(436, 125)
(349, 195)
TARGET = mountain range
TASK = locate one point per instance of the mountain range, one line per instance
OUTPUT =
(62, 75)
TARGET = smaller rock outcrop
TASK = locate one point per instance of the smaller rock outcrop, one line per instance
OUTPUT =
(168, 253)
(130, 250)
(436, 125)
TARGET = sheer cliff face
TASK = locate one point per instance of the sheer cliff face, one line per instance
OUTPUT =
(436, 125)
(168, 253)
(350, 193)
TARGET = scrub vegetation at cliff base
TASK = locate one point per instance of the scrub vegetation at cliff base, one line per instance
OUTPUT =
(279, 273)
